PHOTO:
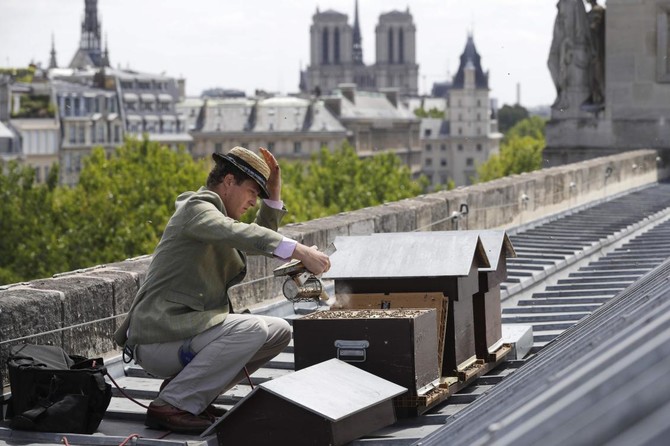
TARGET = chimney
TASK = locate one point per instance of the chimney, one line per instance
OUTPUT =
(181, 86)
(334, 105)
(348, 91)
(391, 94)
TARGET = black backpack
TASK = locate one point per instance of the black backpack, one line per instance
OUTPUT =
(56, 392)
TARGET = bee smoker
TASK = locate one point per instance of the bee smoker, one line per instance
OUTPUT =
(300, 285)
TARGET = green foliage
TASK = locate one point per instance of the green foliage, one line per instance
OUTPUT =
(508, 116)
(333, 182)
(26, 227)
(35, 106)
(123, 201)
(532, 126)
(24, 75)
(520, 151)
(118, 210)
(432, 113)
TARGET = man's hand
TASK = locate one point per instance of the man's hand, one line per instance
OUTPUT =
(274, 182)
(314, 260)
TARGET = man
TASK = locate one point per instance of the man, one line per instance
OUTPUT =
(180, 325)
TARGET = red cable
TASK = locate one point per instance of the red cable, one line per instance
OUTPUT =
(246, 372)
(125, 394)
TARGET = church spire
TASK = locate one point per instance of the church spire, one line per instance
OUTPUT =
(52, 59)
(105, 54)
(90, 49)
(358, 41)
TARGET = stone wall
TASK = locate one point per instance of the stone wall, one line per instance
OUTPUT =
(92, 300)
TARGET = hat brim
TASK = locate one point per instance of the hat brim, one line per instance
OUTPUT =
(247, 169)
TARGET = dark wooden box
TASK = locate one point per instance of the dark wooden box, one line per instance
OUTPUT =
(394, 301)
(397, 345)
(486, 303)
(330, 403)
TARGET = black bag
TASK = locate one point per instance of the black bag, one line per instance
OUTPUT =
(56, 392)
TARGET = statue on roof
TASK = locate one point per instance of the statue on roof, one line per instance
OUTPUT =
(596, 16)
(570, 55)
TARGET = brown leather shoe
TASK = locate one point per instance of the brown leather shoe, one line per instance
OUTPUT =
(176, 420)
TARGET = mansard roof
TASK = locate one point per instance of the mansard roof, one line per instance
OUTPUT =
(470, 55)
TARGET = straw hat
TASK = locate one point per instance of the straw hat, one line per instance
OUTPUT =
(249, 163)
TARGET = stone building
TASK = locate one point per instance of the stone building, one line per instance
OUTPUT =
(635, 110)
(94, 105)
(336, 54)
(29, 124)
(378, 122)
(289, 127)
(453, 147)
(89, 118)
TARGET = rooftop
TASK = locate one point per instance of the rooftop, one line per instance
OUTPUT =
(590, 277)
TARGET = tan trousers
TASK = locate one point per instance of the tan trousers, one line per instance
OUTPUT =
(221, 352)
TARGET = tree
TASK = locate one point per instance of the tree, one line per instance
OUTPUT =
(118, 210)
(333, 182)
(508, 116)
(520, 151)
(123, 201)
(27, 232)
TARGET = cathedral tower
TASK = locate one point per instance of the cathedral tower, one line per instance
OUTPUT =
(90, 43)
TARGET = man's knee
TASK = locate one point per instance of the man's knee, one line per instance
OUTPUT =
(283, 331)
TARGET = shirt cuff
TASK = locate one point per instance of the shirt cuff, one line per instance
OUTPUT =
(285, 249)
(274, 204)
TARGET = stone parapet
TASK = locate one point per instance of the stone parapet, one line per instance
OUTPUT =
(93, 300)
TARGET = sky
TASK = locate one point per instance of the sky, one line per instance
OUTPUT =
(262, 44)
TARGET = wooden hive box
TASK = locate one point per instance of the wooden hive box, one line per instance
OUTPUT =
(397, 345)
(487, 304)
(331, 403)
(394, 301)
(447, 262)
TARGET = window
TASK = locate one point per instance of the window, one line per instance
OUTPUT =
(218, 147)
(479, 116)
(469, 162)
(443, 162)
(117, 133)
(192, 114)
(429, 148)
(336, 42)
(428, 161)
(460, 147)
(460, 131)
(82, 134)
(297, 148)
(271, 146)
(443, 147)
(324, 47)
(427, 132)
(479, 102)
(67, 106)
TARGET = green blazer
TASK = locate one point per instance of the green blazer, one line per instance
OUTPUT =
(200, 256)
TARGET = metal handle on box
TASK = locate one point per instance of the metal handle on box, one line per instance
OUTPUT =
(352, 351)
